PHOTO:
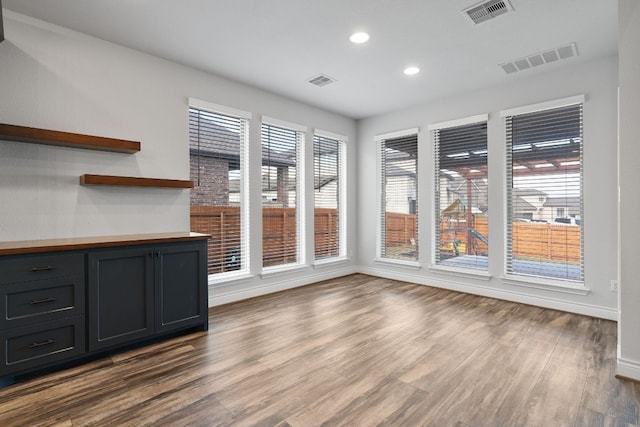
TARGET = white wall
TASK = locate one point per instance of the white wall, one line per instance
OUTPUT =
(57, 79)
(54, 78)
(598, 81)
(629, 169)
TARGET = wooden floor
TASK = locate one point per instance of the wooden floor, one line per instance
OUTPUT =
(354, 351)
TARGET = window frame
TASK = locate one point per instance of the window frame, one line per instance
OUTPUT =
(577, 287)
(245, 243)
(379, 140)
(342, 196)
(301, 241)
(435, 241)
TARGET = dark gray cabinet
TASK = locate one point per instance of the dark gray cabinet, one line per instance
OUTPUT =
(181, 286)
(42, 310)
(138, 292)
(60, 305)
(120, 296)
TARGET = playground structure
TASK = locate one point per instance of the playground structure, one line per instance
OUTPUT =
(462, 232)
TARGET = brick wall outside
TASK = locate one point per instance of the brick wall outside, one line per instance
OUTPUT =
(214, 181)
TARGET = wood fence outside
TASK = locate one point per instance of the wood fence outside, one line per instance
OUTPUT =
(539, 241)
(278, 232)
(400, 229)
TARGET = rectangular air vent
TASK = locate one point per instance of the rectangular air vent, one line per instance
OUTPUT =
(321, 80)
(540, 58)
(487, 10)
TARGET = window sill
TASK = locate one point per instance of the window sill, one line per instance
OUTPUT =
(567, 287)
(468, 273)
(329, 262)
(414, 265)
(226, 278)
(282, 270)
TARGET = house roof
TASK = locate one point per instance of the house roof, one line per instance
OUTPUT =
(521, 205)
(562, 202)
(523, 192)
(210, 139)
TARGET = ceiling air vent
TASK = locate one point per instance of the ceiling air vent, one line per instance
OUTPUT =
(487, 10)
(537, 59)
(321, 80)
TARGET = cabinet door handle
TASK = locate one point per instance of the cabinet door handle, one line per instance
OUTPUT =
(42, 301)
(43, 268)
(41, 343)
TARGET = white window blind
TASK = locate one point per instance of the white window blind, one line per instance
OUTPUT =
(461, 196)
(399, 203)
(327, 183)
(281, 160)
(217, 144)
(544, 193)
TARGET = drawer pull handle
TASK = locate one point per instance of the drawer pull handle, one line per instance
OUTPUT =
(41, 343)
(43, 268)
(41, 301)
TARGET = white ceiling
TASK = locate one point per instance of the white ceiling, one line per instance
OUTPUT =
(277, 45)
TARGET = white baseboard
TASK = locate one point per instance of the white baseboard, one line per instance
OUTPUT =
(218, 296)
(629, 369)
(508, 295)
(221, 294)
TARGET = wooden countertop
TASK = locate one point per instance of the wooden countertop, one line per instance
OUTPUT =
(77, 243)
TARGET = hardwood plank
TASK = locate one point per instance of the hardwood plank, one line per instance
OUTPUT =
(354, 351)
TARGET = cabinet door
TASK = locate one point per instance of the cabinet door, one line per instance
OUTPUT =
(181, 286)
(120, 295)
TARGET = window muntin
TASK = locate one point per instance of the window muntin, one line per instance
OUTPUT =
(399, 203)
(327, 197)
(281, 214)
(461, 195)
(544, 179)
(217, 144)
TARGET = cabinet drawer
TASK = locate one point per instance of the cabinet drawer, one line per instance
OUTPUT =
(29, 302)
(39, 344)
(37, 267)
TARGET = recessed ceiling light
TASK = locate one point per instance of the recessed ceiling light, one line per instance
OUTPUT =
(410, 71)
(359, 38)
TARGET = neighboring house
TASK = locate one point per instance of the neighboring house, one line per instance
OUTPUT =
(536, 205)
(562, 207)
(215, 167)
(403, 182)
(528, 204)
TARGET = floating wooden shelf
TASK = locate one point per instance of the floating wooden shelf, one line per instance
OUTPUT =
(127, 181)
(66, 139)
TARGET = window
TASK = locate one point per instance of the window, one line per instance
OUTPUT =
(544, 161)
(461, 193)
(399, 189)
(328, 158)
(281, 182)
(217, 144)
